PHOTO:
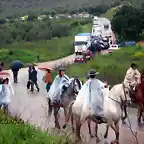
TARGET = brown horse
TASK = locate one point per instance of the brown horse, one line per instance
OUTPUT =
(140, 99)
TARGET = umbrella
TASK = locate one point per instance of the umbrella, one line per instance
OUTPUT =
(4, 74)
(45, 68)
(17, 64)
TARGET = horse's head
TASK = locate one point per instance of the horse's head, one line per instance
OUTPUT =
(76, 85)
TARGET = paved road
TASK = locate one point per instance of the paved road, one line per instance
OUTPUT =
(33, 107)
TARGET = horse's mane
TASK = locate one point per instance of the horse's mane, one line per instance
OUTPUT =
(78, 81)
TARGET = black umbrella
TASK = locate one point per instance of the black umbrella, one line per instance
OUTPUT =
(17, 64)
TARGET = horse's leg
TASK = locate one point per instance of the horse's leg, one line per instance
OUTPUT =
(72, 122)
(89, 127)
(78, 127)
(65, 113)
(139, 115)
(68, 115)
(106, 133)
(115, 127)
(96, 133)
(125, 114)
(57, 125)
(49, 107)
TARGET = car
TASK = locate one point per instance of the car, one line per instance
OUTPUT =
(113, 47)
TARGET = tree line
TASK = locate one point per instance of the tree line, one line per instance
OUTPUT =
(128, 23)
(33, 30)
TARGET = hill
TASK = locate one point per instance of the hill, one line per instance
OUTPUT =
(8, 7)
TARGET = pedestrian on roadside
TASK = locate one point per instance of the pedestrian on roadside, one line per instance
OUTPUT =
(34, 79)
(1, 66)
(29, 76)
(15, 74)
(48, 79)
(6, 91)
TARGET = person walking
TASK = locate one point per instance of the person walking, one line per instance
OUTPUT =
(1, 66)
(34, 79)
(15, 74)
(48, 80)
(6, 91)
(29, 77)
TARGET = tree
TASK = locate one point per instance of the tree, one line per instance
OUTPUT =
(2, 21)
(128, 23)
(31, 17)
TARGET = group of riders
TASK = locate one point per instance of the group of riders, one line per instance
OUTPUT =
(132, 79)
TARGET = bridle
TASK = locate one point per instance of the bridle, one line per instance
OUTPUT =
(122, 103)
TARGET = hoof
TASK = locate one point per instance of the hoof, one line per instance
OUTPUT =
(105, 136)
(97, 140)
(57, 126)
(64, 126)
(114, 142)
(91, 135)
(73, 129)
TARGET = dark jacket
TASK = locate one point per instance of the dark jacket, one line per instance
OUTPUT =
(29, 74)
(34, 76)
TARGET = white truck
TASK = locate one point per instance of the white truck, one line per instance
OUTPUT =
(82, 42)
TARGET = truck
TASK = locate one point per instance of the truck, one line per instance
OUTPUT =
(81, 44)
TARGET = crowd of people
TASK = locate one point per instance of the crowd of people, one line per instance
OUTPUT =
(61, 83)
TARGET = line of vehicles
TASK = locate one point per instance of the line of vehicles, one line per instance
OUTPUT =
(87, 44)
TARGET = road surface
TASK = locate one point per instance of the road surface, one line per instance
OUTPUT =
(32, 107)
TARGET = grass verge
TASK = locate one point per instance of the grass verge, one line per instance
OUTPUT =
(15, 131)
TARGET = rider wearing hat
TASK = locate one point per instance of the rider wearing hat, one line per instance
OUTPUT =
(95, 92)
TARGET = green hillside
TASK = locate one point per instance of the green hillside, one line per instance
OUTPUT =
(23, 6)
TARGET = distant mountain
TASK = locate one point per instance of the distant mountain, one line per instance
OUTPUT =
(8, 7)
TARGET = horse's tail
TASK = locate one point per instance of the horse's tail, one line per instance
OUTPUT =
(49, 107)
(68, 114)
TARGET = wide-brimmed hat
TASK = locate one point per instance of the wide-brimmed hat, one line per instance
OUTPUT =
(62, 69)
(93, 72)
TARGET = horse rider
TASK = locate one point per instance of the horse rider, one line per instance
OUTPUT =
(132, 78)
(59, 86)
(94, 91)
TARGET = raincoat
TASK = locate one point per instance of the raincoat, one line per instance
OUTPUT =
(57, 86)
(5, 92)
(132, 77)
(90, 100)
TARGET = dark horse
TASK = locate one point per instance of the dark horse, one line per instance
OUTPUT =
(138, 98)
(67, 97)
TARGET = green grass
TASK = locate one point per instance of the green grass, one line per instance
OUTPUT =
(14, 131)
(28, 51)
(112, 67)
(110, 13)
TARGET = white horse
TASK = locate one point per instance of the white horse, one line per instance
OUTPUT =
(118, 96)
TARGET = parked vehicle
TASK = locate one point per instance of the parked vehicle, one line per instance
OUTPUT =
(113, 47)
(126, 44)
(83, 56)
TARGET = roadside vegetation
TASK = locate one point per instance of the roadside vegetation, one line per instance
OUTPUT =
(14, 131)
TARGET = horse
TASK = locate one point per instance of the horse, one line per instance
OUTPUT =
(139, 94)
(68, 95)
(119, 95)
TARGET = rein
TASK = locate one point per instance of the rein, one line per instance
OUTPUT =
(121, 104)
